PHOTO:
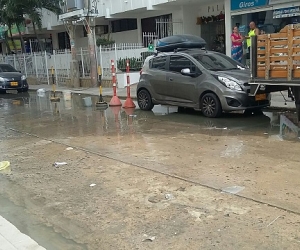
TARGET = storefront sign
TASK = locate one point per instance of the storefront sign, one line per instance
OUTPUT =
(273, 2)
(286, 12)
(248, 4)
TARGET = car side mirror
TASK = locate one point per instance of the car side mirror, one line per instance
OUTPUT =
(187, 72)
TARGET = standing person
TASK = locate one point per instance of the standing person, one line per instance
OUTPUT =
(236, 45)
(254, 31)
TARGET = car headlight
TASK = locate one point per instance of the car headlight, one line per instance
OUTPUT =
(229, 83)
(23, 78)
(1, 79)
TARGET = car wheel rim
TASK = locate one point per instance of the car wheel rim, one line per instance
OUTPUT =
(143, 100)
(209, 106)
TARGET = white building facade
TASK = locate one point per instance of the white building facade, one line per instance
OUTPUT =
(142, 21)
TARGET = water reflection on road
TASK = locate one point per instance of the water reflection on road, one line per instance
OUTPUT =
(73, 117)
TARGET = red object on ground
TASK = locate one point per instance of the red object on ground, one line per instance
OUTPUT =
(115, 101)
(129, 102)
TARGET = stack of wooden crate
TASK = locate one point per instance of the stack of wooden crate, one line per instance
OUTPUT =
(278, 54)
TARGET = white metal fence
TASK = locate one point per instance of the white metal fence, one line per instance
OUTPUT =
(39, 64)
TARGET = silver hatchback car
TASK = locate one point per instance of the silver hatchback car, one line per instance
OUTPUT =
(196, 78)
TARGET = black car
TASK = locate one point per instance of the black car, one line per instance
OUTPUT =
(12, 80)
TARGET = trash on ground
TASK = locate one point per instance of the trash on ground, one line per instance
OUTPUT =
(4, 165)
(41, 92)
(169, 197)
(88, 101)
(67, 95)
(58, 164)
(233, 190)
(148, 238)
(217, 128)
(69, 148)
(93, 185)
(274, 220)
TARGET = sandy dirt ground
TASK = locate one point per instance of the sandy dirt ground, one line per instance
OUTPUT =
(160, 181)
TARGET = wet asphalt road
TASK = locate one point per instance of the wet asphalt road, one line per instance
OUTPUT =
(256, 153)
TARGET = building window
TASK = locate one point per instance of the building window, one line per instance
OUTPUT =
(123, 25)
(63, 40)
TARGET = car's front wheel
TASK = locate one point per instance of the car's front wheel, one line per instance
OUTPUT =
(211, 106)
(144, 100)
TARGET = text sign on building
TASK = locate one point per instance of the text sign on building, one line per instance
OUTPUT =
(248, 4)
(273, 2)
(286, 12)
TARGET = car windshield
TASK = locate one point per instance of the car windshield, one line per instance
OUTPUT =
(7, 68)
(218, 62)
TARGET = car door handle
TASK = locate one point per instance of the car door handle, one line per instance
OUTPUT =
(171, 79)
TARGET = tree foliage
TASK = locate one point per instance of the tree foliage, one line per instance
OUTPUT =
(14, 12)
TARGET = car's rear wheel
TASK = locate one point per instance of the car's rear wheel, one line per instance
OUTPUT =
(144, 100)
(211, 106)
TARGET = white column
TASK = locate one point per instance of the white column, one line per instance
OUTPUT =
(228, 26)
(139, 30)
(47, 70)
(55, 67)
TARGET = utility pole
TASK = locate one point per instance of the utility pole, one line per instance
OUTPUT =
(74, 65)
(89, 26)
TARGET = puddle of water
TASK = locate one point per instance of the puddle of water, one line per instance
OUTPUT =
(75, 118)
(27, 224)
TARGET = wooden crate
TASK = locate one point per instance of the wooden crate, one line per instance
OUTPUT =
(278, 54)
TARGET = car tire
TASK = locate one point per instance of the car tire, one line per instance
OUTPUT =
(144, 100)
(210, 106)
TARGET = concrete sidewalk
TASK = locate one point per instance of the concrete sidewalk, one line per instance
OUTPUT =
(12, 239)
(277, 100)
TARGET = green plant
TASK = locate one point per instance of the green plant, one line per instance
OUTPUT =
(135, 64)
(145, 54)
(104, 42)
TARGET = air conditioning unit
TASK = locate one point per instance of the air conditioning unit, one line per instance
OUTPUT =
(74, 5)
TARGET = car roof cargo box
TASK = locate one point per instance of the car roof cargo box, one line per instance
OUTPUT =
(172, 43)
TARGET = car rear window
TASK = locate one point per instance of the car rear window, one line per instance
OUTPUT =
(7, 68)
(159, 63)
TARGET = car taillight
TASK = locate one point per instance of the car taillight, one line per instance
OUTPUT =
(141, 72)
